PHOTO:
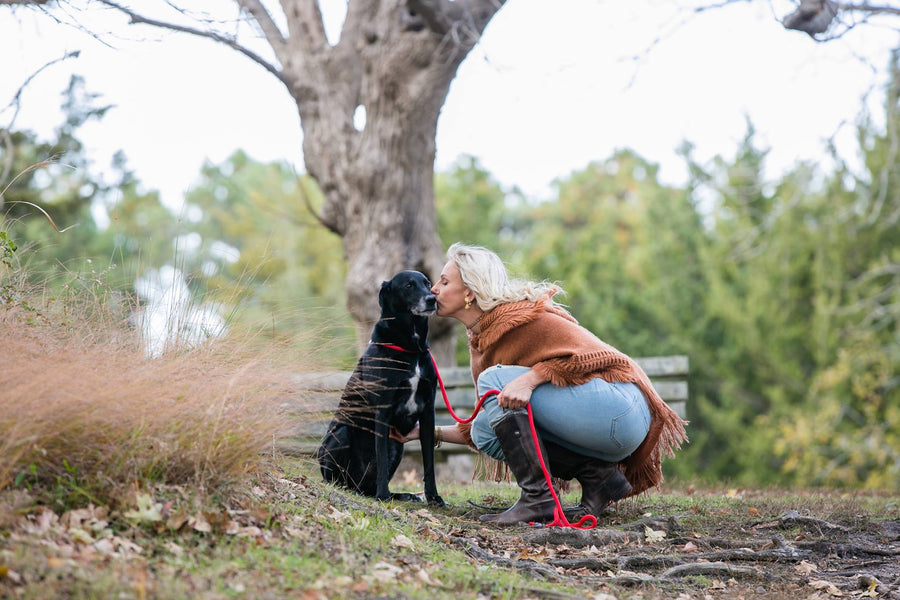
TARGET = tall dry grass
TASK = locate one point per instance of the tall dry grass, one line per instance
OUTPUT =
(84, 413)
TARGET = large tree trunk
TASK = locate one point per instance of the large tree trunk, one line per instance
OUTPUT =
(396, 63)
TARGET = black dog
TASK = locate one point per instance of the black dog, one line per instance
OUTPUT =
(393, 386)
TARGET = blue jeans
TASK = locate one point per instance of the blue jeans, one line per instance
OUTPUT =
(599, 419)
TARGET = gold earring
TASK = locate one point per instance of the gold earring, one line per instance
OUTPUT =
(468, 303)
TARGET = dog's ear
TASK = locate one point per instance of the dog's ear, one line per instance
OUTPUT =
(384, 296)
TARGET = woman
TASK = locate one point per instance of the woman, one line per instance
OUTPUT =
(598, 417)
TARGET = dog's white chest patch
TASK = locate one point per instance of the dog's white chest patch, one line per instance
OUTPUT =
(413, 386)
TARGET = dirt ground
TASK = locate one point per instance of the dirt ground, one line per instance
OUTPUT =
(794, 554)
(726, 543)
(676, 543)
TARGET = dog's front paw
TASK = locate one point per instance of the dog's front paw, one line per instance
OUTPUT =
(437, 501)
(402, 497)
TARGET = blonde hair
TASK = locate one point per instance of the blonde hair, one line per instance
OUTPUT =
(483, 272)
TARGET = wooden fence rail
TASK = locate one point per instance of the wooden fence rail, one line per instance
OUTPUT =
(316, 396)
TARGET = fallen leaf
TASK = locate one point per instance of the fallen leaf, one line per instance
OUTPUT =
(871, 592)
(177, 520)
(651, 536)
(74, 518)
(401, 541)
(80, 536)
(11, 575)
(538, 556)
(251, 531)
(829, 587)
(146, 510)
(385, 572)
(425, 514)
(174, 549)
(43, 522)
(339, 515)
(126, 546)
(427, 579)
(52, 562)
(199, 523)
(104, 547)
(805, 567)
(752, 512)
(689, 547)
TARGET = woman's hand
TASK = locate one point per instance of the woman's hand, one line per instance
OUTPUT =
(517, 393)
(412, 435)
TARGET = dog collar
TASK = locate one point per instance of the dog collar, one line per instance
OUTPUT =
(398, 348)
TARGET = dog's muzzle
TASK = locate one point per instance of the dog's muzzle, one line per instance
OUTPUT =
(426, 306)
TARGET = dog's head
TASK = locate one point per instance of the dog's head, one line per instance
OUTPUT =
(407, 292)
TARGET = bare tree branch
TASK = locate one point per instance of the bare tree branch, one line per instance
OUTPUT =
(870, 8)
(230, 42)
(265, 22)
(443, 17)
(15, 104)
(313, 34)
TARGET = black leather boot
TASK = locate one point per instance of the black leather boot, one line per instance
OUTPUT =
(601, 482)
(535, 502)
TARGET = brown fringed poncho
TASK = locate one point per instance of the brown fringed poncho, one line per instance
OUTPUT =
(544, 336)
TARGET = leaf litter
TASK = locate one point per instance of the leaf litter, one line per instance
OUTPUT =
(655, 547)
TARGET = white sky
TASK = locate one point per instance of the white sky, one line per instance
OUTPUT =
(552, 87)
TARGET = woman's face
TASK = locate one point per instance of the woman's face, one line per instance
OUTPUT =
(451, 292)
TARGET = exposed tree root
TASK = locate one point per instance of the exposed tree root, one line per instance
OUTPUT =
(713, 569)
(847, 550)
(697, 569)
(576, 538)
(793, 518)
(529, 567)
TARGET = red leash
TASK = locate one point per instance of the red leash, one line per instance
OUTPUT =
(559, 518)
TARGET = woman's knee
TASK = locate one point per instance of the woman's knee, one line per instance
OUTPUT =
(496, 377)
